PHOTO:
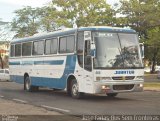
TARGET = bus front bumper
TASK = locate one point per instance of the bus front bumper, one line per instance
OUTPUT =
(118, 87)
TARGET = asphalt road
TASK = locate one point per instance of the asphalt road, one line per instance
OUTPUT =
(139, 103)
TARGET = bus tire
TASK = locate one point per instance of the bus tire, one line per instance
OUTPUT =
(112, 94)
(27, 85)
(74, 90)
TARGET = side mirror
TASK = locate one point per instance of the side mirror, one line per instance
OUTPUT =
(142, 49)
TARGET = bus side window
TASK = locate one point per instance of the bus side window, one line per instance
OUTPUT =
(26, 49)
(18, 48)
(12, 51)
(67, 44)
(51, 46)
(38, 48)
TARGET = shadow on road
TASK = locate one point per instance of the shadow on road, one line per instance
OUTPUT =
(86, 97)
(45, 93)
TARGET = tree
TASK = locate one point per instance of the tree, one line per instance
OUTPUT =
(4, 40)
(143, 16)
(3, 58)
(78, 13)
(26, 22)
(48, 18)
(59, 13)
(153, 41)
(140, 14)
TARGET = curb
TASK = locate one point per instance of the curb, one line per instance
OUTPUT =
(153, 90)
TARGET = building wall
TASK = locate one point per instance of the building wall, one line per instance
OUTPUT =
(4, 53)
(4, 49)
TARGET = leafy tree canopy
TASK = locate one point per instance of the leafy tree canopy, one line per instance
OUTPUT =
(26, 22)
(143, 16)
(82, 12)
(68, 13)
(140, 14)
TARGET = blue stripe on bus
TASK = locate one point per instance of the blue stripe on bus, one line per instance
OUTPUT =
(52, 62)
(38, 62)
(52, 82)
(58, 62)
(14, 63)
(27, 62)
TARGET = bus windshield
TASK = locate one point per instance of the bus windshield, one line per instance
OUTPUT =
(117, 50)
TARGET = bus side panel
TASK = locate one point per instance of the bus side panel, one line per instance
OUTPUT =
(52, 74)
(15, 71)
(57, 82)
(17, 79)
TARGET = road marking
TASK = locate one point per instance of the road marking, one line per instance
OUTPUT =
(54, 108)
(1, 96)
(21, 101)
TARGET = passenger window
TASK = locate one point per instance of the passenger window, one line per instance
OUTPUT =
(67, 44)
(6, 71)
(70, 44)
(38, 48)
(51, 46)
(12, 51)
(18, 50)
(26, 49)
(1, 71)
(63, 45)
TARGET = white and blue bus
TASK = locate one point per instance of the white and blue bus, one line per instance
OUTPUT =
(94, 60)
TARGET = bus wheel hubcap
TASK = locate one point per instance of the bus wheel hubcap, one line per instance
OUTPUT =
(27, 84)
(75, 89)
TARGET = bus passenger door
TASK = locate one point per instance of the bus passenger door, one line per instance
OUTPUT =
(88, 75)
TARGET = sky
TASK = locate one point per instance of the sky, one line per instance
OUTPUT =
(7, 7)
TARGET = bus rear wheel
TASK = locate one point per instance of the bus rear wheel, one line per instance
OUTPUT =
(112, 94)
(27, 85)
(74, 90)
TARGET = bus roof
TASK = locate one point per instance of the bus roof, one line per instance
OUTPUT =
(67, 31)
(107, 28)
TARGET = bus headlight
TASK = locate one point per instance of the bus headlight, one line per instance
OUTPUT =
(103, 78)
(105, 87)
(140, 85)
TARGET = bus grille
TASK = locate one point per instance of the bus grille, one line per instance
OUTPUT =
(123, 87)
(123, 78)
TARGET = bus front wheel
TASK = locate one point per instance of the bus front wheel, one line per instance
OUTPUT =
(74, 90)
(28, 86)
